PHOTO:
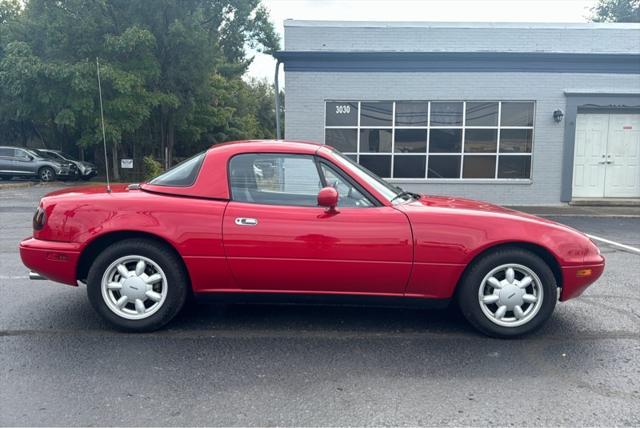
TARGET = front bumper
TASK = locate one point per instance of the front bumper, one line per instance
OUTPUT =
(56, 261)
(576, 279)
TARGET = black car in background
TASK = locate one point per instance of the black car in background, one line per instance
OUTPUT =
(86, 170)
(21, 162)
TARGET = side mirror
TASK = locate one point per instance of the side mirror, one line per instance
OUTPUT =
(328, 197)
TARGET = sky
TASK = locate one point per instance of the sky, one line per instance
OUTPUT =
(263, 66)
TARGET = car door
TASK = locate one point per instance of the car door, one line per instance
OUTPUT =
(6, 160)
(277, 239)
(24, 163)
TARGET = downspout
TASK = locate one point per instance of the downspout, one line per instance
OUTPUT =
(277, 88)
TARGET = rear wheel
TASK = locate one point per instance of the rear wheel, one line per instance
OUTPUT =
(137, 285)
(507, 293)
(46, 174)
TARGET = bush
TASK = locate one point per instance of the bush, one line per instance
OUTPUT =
(152, 168)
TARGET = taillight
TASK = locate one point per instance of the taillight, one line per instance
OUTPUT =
(39, 219)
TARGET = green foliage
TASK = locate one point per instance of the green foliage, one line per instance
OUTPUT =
(152, 168)
(171, 74)
(617, 11)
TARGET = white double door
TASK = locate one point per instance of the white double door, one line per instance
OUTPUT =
(607, 156)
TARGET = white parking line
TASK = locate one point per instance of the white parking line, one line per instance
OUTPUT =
(13, 277)
(615, 244)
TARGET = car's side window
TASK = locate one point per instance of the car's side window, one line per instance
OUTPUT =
(6, 153)
(275, 179)
(350, 196)
(21, 154)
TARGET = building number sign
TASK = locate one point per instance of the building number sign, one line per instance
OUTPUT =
(343, 109)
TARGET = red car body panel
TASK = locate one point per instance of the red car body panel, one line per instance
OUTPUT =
(356, 250)
(418, 249)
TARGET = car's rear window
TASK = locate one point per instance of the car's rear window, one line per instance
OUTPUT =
(182, 175)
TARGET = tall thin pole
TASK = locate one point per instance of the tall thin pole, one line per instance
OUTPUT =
(104, 137)
(277, 88)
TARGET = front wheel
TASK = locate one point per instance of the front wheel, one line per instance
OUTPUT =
(46, 174)
(137, 285)
(507, 293)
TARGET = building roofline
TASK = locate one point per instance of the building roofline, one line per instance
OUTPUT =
(463, 24)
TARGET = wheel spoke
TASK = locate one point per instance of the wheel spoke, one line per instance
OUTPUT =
(114, 286)
(525, 282)
(529, 298)
(494, 283)
(140, 267)
(153, 278)
(124, 272)
(153, 295)
(491, 298)
(510, 275)
(140, 306)
(122, 301)
(500, 312)
(517, 311)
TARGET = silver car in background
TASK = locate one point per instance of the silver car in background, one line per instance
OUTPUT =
(86, 170)
(21, 162)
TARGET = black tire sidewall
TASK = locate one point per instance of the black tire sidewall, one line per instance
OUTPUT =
(467, 294)
(172, 267)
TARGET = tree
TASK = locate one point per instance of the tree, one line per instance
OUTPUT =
(616, 11)
(171, 73)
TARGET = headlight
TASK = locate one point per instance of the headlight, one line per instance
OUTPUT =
(39, 219)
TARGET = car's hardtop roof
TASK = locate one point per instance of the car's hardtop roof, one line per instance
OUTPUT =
(262, 146)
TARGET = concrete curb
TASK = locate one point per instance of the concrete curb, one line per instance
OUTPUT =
(17, 185)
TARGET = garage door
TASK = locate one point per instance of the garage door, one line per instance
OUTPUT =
(607, 156)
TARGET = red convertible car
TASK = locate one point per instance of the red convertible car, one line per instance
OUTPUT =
(298, 220)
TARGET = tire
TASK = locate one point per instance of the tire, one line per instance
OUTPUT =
(480, 279)
(169, 293)
(46, 174)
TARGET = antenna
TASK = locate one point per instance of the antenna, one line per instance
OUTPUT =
(104, 137)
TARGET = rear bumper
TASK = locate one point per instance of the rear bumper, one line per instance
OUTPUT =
(575, 279)
(56, 261)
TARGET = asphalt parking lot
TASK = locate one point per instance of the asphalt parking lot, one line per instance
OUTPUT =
(300, 365)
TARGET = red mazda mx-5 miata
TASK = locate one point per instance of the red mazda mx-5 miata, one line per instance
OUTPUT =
(299, 220)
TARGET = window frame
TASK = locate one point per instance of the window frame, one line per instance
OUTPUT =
(463, 127)
(317, 160)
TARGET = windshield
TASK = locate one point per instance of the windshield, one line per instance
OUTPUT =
(390, 192)
(183, 175)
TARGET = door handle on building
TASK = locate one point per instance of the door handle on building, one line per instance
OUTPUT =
(244, 221)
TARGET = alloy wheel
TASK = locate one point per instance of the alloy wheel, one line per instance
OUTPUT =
(510, 295)
(134, 287)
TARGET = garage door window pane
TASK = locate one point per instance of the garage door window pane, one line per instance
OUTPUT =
(482, 114)
(411, 141)
(375, 140)
(376, 114)
(410, 113)
(445, 141)
(517, 114)
(444, 114)
(345, 140)
(515, 140)
(379, 165)
(444, 167)
(480, 141)
(409, 166)
(479, 167)
(514, 167)
(342, 114)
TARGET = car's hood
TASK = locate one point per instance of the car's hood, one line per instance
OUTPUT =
(470, 206)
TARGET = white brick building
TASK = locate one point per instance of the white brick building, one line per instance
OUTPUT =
(510, 113)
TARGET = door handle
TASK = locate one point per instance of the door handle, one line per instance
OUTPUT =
(244, 221)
